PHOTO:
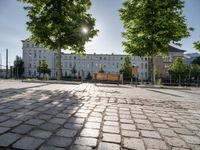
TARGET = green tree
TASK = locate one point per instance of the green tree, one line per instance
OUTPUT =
(126, 68)
(196, 61)
(194, 70)
(18, 67)
(43, 68)
(60, 24)
(150, 25)
(197, 45)
(74, 71)
(178, 70)
(101, 69)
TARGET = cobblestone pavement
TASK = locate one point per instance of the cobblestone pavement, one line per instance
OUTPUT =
(98, 117)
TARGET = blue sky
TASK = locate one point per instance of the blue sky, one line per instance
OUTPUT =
(13, 27)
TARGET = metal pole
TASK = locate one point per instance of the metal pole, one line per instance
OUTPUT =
(6, 63)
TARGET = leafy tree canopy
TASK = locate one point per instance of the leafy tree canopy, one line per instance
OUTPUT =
(194, 70)
(126, 68)
(178, 67)
(196, 61)
(18, 67)
(60, 24)
(150, 25)
(43, 68)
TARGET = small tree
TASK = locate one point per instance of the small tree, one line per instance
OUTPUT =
(101, 69)
(89, 76)
(197, 45)
(74, 71)
(18, 67)
(196, 61)
(126, 68)
(43, 68)
(178, 70)
(194, 70)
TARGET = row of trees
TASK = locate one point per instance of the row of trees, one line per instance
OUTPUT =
(179, 71)
(149, 25)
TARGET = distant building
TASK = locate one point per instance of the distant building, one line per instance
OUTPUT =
(162, 63)
(89, 63)
(189, 57)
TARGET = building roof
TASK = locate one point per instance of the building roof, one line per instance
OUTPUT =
(174, 49)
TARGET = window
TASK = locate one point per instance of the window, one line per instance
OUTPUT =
(145, 65)
(100, 58)
(104, 58)
(145, 58)
(27, 45)
(142, 66)
(74, 57)
(117, 65)
(121, 58)
(142, 58)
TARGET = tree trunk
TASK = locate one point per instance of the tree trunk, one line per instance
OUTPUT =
(59, 68)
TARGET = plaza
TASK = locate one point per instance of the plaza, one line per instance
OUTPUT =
(97, 117)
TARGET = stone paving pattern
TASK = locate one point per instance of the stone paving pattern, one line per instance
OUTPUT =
(96, 117)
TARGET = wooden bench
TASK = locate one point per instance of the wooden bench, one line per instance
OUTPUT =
(108, 77)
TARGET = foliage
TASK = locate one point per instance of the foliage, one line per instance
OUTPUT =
(197, 45)
(74, 71)
(151, 25)
(89, 76)
(196, 61)
(43, 68)
(101, 69)
(178, 69)
(18, 67)
(126, 68)
(194, 70)
(59, 24)
(46, 77)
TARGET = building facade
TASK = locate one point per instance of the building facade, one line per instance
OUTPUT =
(89, 63)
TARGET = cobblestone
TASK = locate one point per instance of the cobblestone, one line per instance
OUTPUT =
(89, 116)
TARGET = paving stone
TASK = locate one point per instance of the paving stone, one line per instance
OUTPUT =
(73, 126)
(174, 124)
(10, 123)
(3, 129)
(35, 122)
(90, 133)
(111, 118)
(45, 117)
(22, 129)
(139, 116)
(176, 148)
(111, 129)
(8, 138)
(93, 125)
(128, 133)
(23, 117)
(126, 121)
(191, 139)
(41, 134)
(60, 141)
(80, 147)
(155, 119)
(86, 141)
(57, 121)
(155, 144)
(128, 126)
(166, 132)
(183, 131)
(150, 134)
(49, 126)
(115, 138)
(133, 143)
(49, 147)
(28, 143)
(108, 146)
(76, 120)
(95, 119)
(145, 126)
(142, 121)
(66, 132)
(176, 142)
(168, 119)
(111, 123)
(160, 125)
(3, 118)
